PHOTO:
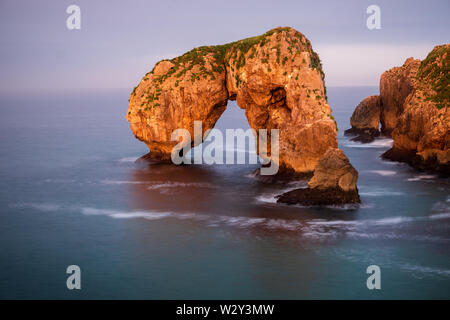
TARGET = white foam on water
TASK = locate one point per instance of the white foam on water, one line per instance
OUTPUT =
(423, 271)
(149, 215)
(383, 172)
(165, 185)
(377, 143)
(439, 216)
(46, 207)
(128, 159)
(334, 222)
(123, 182)
(271, 197)
(380, 193)
(394, 220)
(268, 198)
(317, 229)
(422, 177)
(348, 206)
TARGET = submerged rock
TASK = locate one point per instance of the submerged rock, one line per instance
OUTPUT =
(333, 182)
(365, 120)
(276, 77)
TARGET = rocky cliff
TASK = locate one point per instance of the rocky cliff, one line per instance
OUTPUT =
(422, 133)
(276, 77)
(395, 86)
(413, 103)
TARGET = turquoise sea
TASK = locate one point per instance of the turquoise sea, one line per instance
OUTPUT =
(71, 194)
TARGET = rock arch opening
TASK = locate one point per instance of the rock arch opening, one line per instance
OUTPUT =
(276, 78)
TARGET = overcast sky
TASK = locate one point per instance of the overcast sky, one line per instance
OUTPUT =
(120, 41)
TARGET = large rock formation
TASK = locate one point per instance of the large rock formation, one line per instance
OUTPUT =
(334, 182)
(276, 77)
(414, 100)
(395, 85)
(422, 133)
(365, 120)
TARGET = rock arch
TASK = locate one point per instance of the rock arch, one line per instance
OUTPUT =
(276, 77)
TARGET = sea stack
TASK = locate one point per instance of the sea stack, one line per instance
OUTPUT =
(334, 182)
(276, 78)
(414, 100)
(365, 120)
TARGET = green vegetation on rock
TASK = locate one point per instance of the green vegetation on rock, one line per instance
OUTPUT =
(205, 61)
(435, 71)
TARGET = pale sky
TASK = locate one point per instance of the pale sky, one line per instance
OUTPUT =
(120, 41)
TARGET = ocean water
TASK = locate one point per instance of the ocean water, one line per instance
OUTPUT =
(71, 193)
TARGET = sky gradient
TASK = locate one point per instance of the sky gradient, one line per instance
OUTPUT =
(120, 41)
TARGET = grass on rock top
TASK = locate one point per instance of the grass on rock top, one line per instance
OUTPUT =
(220, 57)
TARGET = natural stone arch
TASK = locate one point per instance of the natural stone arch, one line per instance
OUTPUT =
(276, 77)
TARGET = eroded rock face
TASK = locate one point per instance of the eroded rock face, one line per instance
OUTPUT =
(276, 77)
(422, 134)
(365, 120)
(333, 182)
(395, 86)
(414, 110)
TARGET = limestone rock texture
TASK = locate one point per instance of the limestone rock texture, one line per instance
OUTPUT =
(422, 133)
(276, 77)
(333, 182)
(395, 86)
(414, 101)
(365, 120)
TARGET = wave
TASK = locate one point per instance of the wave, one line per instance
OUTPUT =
(422, 177)
(380, 193)
(129, 159)
(395, 236)
(49, 207)
(439, 216)
(316, 229)
(383, 172)
(271, 197)
(377, 143)
(165, 185)
(149, 215)
(423, 271)
(123, 182)
(268, 198)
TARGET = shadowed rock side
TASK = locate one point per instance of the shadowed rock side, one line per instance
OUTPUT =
(334, 182)
(276, 77)
(365, 120)
(414, 100)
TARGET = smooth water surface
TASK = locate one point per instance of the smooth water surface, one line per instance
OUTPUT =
(71, 193)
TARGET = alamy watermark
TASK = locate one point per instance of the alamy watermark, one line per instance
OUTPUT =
(74, 280)
(213, 153)
(374, 20)
(374, 280)
(73, 22)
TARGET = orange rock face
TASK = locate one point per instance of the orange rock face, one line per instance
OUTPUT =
(334, 182)
(424, 126)
(395, 86)
(367, 114)
(414, 110)
(334, 170)
(365, 120)
(276, 77)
